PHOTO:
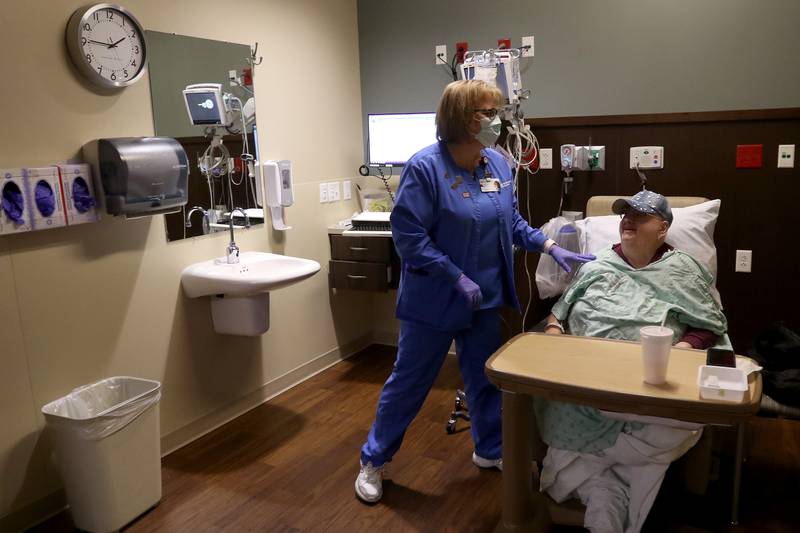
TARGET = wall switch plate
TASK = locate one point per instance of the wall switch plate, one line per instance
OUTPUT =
(323, 193)
(744, 260)
(786, 156)
(546, 158)
(440, 57)
(347, 190)
(750, 155)
(333, 191)
(648, 157)
(527, 41)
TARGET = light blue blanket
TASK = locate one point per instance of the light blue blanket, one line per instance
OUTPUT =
(610, 299)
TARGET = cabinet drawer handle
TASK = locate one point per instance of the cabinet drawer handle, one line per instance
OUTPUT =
(351, 276)
(359, 248)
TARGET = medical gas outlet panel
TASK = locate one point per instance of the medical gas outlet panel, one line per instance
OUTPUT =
(46, 197)
(587, 158)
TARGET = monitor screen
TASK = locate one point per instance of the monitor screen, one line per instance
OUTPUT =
(203, 108)
(394, 138)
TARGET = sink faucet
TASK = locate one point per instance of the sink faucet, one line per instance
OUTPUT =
(233, 250)
(191, 212)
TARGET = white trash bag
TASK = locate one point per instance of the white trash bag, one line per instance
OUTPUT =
(551, 280)
(100, 409)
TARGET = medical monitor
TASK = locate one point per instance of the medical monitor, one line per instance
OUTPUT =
(205, 105)
(393, 138)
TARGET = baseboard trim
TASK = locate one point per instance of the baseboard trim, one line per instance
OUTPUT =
(34, 513)
(202, 426)
(42, 509)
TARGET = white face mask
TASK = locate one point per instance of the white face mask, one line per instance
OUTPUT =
(490, 131)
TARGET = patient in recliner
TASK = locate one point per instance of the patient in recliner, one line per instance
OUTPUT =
(615, 464)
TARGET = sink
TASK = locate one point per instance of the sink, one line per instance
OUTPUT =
(240, 292)
(254, 273)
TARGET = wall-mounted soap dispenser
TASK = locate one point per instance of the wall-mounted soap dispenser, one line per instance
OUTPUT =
(139, 175)
(280, 190)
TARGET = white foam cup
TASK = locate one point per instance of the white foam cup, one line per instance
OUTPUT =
(656, 344)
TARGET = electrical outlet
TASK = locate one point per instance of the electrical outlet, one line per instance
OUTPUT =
(786, 156)
(503, 44)
(744, 260)
(347, 190)
(527, 42)
(546, 158)
(333, 191)
(323, 193)
(440, 57)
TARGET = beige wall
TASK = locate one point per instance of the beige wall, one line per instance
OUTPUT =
(86, 302)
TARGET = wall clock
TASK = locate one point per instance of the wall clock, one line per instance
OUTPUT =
(107, 45)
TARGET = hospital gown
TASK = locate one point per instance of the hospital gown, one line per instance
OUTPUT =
(616, 466)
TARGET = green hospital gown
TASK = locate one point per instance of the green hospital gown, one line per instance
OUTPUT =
(610, 299)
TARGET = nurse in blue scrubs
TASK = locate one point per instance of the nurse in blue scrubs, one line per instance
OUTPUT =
(454, 223)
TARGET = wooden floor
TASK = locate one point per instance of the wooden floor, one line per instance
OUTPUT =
(290, 464)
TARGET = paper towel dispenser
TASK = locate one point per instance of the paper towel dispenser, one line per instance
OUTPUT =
(139, 175)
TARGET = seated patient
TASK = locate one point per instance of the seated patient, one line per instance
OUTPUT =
(616, 465)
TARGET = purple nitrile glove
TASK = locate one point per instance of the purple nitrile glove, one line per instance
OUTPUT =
(561, 256)
(45, 200)
(13, 203)
(469, 290)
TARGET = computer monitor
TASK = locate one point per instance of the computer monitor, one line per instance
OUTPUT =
(205, 105)
(393, 138)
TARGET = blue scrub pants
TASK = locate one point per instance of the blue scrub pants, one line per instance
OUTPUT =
(420, 355)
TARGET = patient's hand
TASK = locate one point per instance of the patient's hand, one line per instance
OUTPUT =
(684, 344)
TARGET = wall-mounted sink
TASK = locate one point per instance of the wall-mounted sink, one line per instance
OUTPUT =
(240, 292)
(255, 272)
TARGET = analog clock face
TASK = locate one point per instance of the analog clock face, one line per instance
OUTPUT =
(107, 45)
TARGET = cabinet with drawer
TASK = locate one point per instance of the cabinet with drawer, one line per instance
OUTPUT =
(363, 263)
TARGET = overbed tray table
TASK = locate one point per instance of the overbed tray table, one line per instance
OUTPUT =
(606, 374)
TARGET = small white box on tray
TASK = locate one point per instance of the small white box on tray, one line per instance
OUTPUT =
(721, 383)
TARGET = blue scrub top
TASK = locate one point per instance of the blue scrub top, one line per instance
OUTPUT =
(437, 230)
(490, 274)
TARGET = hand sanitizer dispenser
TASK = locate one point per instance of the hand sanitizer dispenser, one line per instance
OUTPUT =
(280, 190)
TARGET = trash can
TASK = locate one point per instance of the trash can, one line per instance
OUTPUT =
(106, 441)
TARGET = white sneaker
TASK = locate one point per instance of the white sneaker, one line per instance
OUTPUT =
(487, 463)
(369, 483)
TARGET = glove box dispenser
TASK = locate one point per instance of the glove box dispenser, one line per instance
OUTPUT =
(139, 175)
(45, 192)
(15, 206)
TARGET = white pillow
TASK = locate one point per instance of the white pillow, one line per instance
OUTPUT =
(692, 231)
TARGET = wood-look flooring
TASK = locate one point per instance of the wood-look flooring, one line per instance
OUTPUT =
(290, 465)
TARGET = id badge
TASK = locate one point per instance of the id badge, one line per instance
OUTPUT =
(490, 185)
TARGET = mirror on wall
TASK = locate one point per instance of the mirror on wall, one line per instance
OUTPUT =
(214, 121)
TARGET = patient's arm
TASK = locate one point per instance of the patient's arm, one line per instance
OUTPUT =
(553, 326)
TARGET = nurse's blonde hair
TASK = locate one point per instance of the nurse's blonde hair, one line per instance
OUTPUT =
(457, 108)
